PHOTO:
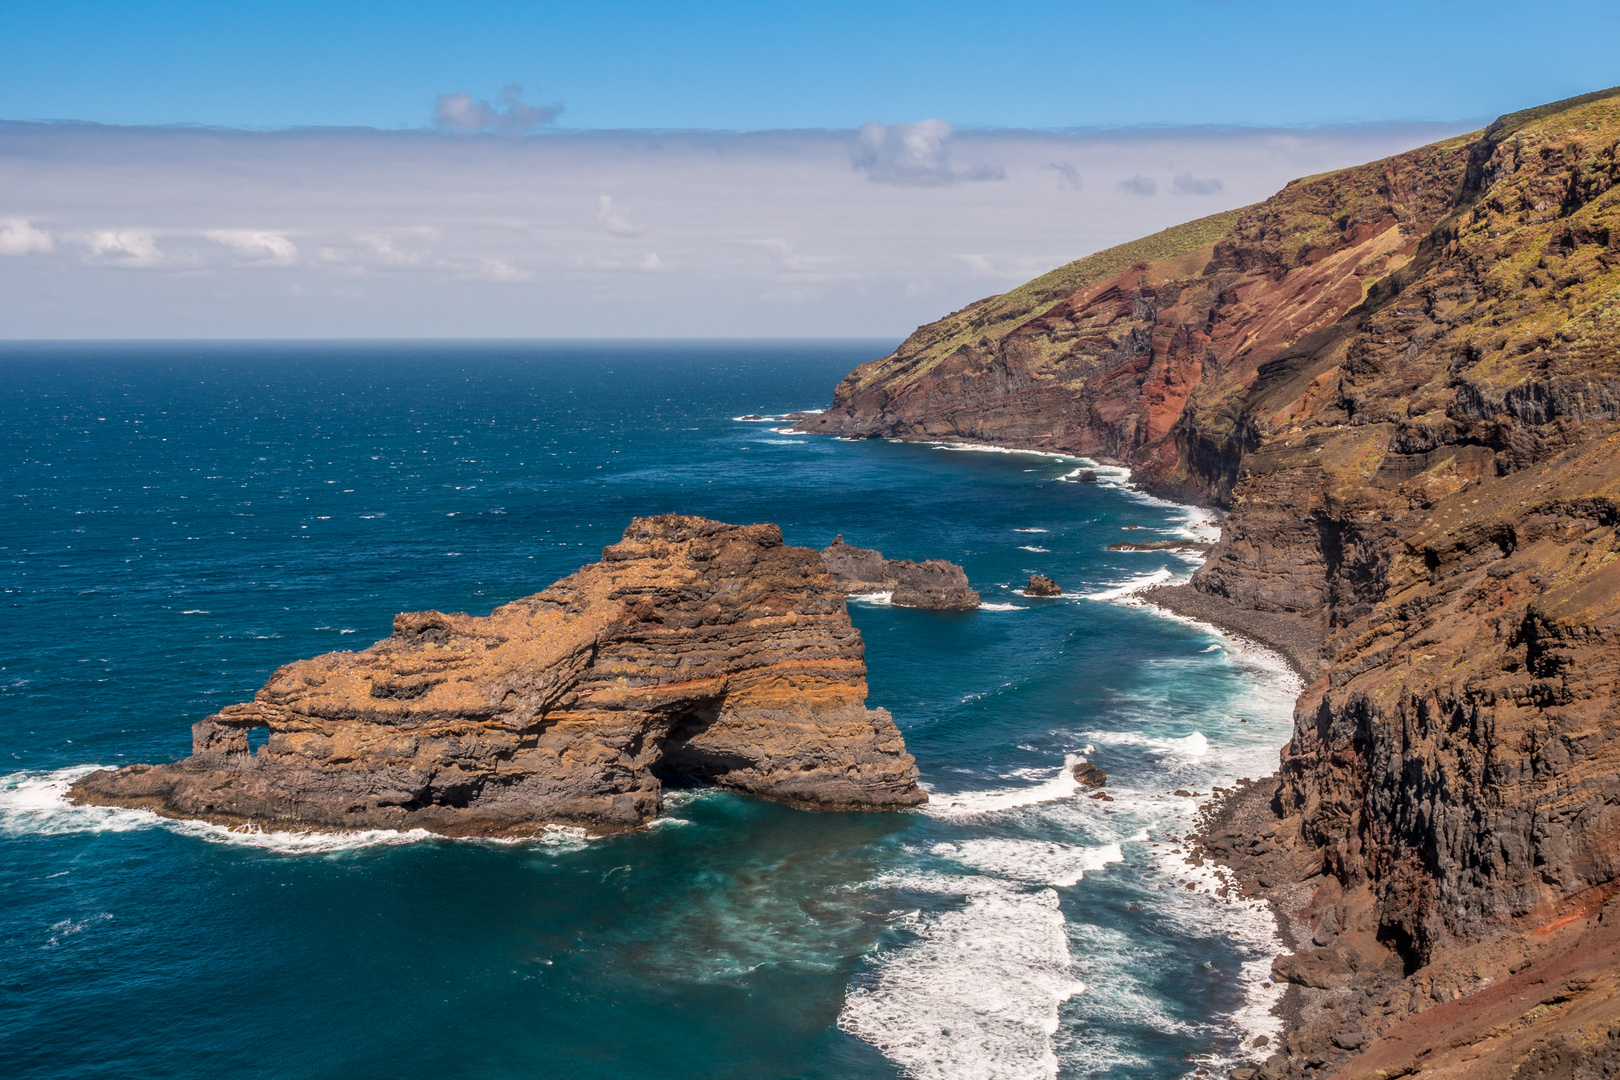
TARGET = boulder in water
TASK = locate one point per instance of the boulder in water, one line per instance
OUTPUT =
(1040, 585)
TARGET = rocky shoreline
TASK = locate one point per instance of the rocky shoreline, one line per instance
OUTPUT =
(1295, 638)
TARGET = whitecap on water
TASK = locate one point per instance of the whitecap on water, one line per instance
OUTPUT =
(968, 803)
(1194, 745)
(986, 448)
(1036, 862)
(36, 804)
(1131, 586)
(1002, 607)
(1032, 547)
(974, 992)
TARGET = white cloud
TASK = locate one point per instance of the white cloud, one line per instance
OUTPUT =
(425, 234)
(1009, 267)
(407, 248)
(916, 155)
(130, 248)
(462, 113)
(1188, 184)
(1068, 175)
(786, 256)
(497, 270)
(794, 263)
(612, 219)
(649, 261)
(19, 237)
(257, 248)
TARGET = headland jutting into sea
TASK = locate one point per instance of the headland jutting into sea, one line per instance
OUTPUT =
(1401, 382)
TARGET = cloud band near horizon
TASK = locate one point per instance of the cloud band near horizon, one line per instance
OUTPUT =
(175, 232)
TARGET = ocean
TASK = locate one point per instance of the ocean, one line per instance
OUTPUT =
(182, 518)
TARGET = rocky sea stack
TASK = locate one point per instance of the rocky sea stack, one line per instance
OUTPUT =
(933, 583)
(694, 652)
(1041, 585)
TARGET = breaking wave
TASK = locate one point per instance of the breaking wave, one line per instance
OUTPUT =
(36, 804)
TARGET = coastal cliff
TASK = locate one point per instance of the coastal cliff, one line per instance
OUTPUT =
(695, 651)
(1402, 382)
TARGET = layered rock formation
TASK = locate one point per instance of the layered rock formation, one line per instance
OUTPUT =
(1403, 382)
(695, 651)
(933, 583)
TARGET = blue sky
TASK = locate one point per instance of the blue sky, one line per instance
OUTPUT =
(831, 64)
(292, 169)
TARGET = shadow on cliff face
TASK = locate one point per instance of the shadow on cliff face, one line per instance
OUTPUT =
(686, 759)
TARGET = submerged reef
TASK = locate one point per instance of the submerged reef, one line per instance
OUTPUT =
(694, 652)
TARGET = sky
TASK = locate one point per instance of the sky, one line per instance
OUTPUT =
(699, 169)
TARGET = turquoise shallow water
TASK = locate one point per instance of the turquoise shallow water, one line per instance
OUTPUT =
(182, 518)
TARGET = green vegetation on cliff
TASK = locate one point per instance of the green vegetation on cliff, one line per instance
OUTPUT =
(987, 321)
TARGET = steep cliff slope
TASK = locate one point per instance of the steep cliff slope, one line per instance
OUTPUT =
(694, 651)
(1403, 382)
(1101, 356)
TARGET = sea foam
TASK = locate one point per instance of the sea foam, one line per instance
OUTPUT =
(1037, 862)
(1131, 586)
(970, 803)
(36, 804)
(972, 992)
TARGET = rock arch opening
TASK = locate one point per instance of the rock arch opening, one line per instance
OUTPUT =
(693, 753)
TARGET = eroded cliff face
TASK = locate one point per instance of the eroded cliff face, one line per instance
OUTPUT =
(1103, 356)
(695, 651)
(1403, 382)
(1452, 446)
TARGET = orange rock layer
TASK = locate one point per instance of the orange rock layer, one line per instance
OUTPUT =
(695, 651)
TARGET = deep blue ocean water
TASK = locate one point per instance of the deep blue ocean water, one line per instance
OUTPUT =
(180, 519)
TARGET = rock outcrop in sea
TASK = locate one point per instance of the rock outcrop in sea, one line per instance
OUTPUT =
(1402, 380)
(933, 583)
(694, 652)
(1041, 585)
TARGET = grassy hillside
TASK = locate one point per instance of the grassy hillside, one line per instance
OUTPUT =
(987, 321)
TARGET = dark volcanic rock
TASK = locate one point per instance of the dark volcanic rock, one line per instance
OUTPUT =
(1089, 775)
(694, 651)
(1040, 585)
(934, 583)
(1403, 381)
